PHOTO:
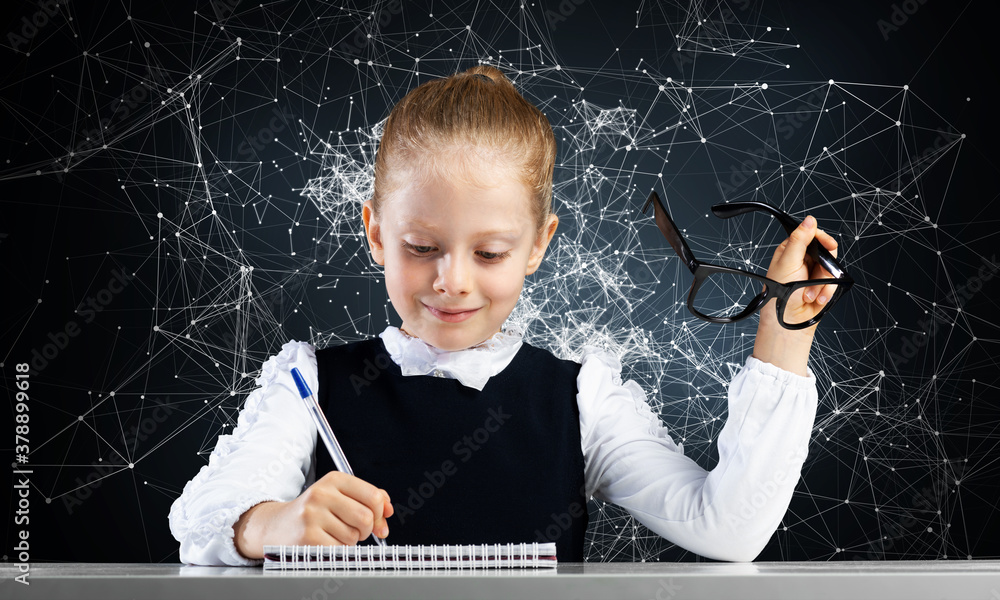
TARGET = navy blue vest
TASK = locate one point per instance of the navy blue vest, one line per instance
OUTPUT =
(462, 466)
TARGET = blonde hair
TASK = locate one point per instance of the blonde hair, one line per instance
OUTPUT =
(464, 126)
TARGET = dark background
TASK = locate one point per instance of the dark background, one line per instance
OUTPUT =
(902, 464)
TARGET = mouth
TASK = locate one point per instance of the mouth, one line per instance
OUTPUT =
(452, 315)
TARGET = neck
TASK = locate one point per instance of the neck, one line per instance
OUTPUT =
(407, 333)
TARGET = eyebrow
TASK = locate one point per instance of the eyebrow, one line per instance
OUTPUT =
(505, 233)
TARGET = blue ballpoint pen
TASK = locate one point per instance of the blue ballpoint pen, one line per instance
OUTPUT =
(325, 431)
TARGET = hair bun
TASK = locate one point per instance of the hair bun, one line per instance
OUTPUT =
(488, 72)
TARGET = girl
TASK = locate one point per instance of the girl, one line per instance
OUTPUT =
(460, 432)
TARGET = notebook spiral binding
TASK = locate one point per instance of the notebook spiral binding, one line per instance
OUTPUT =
(449, 556)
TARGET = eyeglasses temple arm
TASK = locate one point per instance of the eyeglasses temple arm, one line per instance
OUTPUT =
(818, 253)
(669, 230)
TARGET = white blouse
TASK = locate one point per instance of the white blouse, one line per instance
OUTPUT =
(728, 513)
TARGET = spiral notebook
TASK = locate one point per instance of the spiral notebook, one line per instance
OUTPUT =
(451, 556)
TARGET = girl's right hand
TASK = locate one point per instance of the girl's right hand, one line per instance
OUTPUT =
(337, 510)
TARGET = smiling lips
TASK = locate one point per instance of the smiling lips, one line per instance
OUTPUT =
(451, 316)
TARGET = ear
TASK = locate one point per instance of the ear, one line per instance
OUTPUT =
(541, 244)
(373, 232)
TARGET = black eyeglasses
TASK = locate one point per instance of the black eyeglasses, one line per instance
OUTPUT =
(725, 295)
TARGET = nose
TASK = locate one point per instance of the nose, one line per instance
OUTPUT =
(454, 276)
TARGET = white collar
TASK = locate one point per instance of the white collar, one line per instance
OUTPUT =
(473, 366)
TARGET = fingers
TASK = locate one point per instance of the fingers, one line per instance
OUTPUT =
(369, 513)
(821, 294)
(792, 251)
(381, 526)
(790, 255)
(357, 508)
(387, 508)
(824, 294)
(791, 261)
(827, 241)
(352, 521)
(827, 294)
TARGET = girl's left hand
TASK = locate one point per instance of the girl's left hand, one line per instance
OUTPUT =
(791, 263)
(787, 348)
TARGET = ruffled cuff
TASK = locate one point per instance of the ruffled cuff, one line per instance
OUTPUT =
(202, 517)
(783, 376)
(212, 541)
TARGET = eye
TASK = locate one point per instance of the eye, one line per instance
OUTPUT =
(418, 250)
(495, 257)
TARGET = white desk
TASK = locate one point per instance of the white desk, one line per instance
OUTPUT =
(910, 580)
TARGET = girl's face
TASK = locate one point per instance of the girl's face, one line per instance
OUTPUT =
(456, 255)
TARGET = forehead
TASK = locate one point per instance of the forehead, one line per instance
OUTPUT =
(448, 191)
(472, 165)
(452, 203)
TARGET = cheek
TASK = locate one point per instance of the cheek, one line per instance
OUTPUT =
(503, 283)
(401, 276)
(405, 270)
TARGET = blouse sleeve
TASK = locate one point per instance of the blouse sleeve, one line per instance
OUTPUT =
(728, 513)
(267, 457)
